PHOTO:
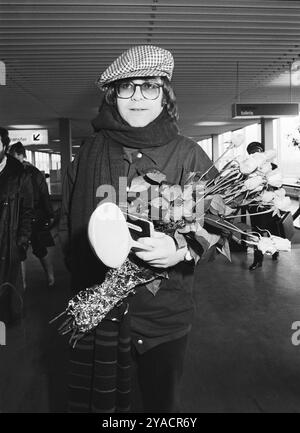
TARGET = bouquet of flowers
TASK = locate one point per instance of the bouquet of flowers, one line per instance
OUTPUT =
(200, 215)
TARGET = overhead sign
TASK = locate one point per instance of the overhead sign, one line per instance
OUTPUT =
(28, 136)
(252, 110)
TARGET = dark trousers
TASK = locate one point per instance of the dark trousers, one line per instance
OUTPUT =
(258, 256)
(158, 373)
(11, 299)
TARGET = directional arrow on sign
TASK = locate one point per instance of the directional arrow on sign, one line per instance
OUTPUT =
(36, 137)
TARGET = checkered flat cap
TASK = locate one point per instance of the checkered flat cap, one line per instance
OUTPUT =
(139, 61)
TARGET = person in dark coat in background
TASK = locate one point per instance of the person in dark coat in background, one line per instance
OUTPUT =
(41, 237)
(265, 221)
(16, 212)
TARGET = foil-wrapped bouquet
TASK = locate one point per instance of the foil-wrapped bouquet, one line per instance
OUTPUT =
(201, 216)
(89, 307)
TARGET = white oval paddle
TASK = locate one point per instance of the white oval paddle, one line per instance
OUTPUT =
(109, 235)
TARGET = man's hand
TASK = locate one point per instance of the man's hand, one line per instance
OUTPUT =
(163, 253)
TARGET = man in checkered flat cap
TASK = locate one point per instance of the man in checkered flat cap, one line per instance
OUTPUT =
(135, 131)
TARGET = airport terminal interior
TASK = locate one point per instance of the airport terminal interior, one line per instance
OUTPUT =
(237, 81)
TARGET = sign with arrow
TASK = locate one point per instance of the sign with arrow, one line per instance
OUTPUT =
(36, 137)
(28, 136)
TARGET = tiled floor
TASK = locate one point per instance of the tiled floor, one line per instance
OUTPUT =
(240, 356)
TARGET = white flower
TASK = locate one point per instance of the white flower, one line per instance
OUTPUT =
(237, 140)
(258, 188)
(270, 154)
(239, 158)
(281, 243)
(176, 213)
(266, 168)
(212, 239)
(259, 157)
(272, 244)
(266, 245)
(267, 196)
(139, 184)
(248, 165)
(187, 192)
(226, 172)
(274, 180)
(188, 208)
(253, 182)
(160, 203)
(281, 193)
(282, 204)
(171, 192)
(228, 210)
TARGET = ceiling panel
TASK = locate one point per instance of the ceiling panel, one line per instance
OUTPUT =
(224, 51)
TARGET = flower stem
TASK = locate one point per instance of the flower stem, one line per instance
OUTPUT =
(245, 214)
(218, 159)
(230, 227)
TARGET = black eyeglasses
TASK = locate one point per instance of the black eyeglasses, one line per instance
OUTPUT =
(127, 89)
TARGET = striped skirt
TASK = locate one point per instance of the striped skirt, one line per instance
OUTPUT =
(99, 378)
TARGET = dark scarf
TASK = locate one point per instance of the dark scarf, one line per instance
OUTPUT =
(100, 161)
(99, 379)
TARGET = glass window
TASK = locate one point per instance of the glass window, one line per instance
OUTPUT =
(276, 131)
(29, 156)
(42, 161)
(252, 133)
(45, 160)
(206, 145)
(243, 137)
(55, 174)
(56, 161)
(288, 153)
(225, 141)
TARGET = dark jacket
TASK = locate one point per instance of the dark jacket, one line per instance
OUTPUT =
(168, 315)
(264, 221)
(43, 209)
(16, 207)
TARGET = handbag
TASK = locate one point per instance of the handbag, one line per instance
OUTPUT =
(285, 225)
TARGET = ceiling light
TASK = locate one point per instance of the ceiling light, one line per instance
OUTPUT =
(26, 126)
(211, 123)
